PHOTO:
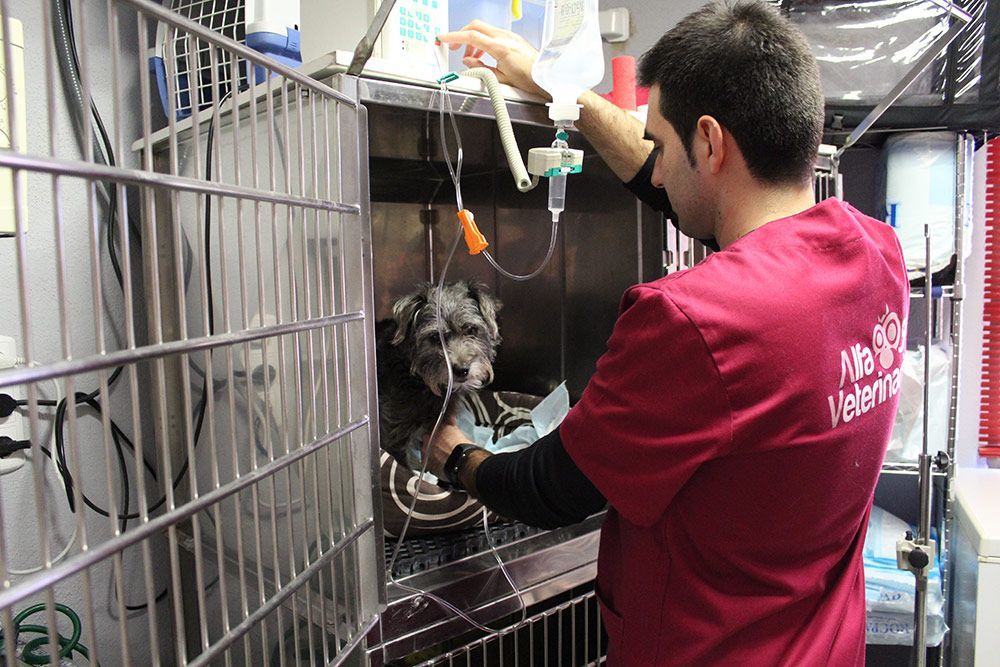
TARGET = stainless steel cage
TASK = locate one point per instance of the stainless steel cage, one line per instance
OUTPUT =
(217, 404)
(569, 633)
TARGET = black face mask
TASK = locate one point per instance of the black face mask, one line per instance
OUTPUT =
(709, 243)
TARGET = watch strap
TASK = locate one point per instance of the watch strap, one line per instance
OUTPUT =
(455, 462)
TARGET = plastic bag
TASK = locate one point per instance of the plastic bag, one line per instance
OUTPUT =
(545, 418)
(889, 591)
(865, 48)
(906, 441)
(898, 629)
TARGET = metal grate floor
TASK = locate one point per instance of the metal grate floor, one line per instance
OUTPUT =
(419, 554)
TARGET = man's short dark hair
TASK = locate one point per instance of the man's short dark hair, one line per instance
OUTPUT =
(747, 66)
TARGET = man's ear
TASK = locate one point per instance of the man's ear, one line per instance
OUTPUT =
(711, 141)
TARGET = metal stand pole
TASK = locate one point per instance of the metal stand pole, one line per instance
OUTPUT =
(924, 527)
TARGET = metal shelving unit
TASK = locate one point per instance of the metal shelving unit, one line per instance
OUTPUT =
(965, 160)
(942, 467)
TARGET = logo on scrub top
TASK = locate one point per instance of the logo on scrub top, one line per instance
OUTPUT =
(887, 338)
(870, 373)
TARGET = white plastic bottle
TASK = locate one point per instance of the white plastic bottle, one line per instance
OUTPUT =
(572, 58)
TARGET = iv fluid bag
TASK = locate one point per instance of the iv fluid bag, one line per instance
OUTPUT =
(572, 58)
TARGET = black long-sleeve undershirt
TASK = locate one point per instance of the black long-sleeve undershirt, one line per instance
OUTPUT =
(539, 485)
(656, 198)
(642, 187)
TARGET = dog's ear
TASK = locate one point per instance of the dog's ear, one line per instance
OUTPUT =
(405, 312)
(488, 306)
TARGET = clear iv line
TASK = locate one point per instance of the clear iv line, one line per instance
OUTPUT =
(456, 180)
(456, 175)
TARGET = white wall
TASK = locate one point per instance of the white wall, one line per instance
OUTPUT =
(649, 19)
(17, 495)
(330, 26)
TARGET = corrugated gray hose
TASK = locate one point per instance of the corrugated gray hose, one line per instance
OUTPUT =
(522, 179)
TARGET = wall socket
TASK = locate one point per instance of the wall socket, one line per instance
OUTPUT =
(12, 426)
(8, 352)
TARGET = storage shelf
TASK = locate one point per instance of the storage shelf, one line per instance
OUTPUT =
(947, 292)
(907, 469)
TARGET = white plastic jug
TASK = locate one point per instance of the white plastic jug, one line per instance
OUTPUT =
(920, 189)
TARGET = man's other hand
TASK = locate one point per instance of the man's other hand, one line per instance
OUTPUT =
(437, 452)
(513, 53)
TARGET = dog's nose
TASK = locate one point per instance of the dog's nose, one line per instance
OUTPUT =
(461, 373)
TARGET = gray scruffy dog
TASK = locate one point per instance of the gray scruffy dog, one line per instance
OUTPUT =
(412, 375)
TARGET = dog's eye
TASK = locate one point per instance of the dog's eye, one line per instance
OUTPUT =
(470, 330)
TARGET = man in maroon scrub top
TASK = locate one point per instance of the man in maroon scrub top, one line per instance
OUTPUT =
(736, 424)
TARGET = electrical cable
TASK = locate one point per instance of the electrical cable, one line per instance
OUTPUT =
(203, 400)
(70, 71)
(62, 554)
(119, 438)
(72, 540)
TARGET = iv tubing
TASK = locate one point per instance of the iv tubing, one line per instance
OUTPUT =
(456, 175)
(456, 172)
(541, 267)
(521, 178)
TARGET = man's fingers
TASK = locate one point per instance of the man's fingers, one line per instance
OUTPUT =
(485, 28)
(474, 38)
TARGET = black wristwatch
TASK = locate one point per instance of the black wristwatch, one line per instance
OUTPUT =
(456, 460)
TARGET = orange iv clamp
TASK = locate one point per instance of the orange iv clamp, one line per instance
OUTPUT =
(474, 239)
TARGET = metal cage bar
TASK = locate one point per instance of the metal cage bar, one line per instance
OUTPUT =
(568, 634)
(198, 302)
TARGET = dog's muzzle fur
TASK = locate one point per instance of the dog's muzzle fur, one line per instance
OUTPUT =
(412, 372)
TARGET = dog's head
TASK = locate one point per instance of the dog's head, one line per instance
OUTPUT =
(469, 320)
